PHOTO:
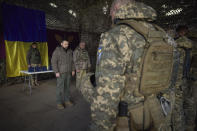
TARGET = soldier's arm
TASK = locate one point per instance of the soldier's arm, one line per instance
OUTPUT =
(188, 43)
(89, 63)
(54, 61)
(40, 60)
(73, 63)
(110, 83)
(184, 42)
(75, 57)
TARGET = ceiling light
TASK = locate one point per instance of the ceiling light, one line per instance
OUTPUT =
(72, 13)
(105, 8)
(53, 5)
(174, 12)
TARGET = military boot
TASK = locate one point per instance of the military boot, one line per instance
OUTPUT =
(68, 104)
(36, 83)
(60, 107)
(32, 82)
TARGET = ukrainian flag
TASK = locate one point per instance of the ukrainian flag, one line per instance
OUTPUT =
(22, 27)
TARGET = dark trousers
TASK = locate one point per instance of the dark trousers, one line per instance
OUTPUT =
(63, 88)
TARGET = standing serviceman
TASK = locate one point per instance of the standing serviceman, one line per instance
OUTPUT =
(134, 72)
(82, 62)
(63, 66)
(34, 60)
(194, 72)
(184, 96)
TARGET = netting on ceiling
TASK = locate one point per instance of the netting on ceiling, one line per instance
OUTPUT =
(172, 12)
(93, 15)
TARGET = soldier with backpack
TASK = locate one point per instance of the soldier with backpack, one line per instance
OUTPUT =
(134, 73)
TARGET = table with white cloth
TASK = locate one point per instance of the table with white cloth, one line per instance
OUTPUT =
(28, 77)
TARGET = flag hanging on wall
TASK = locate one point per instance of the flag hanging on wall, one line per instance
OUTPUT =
(22, 27)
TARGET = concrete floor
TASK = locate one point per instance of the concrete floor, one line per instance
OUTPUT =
(21, 112)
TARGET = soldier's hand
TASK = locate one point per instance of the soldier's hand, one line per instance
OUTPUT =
(73, 73)
(57, 75)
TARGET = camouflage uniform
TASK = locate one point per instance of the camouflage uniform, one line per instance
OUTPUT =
(184, 100)
(82, 64)
(121, 57)
(33, 56)
(34, 60)
(194, 74)
(178, 112)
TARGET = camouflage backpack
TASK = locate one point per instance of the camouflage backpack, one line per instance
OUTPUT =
(157, 60)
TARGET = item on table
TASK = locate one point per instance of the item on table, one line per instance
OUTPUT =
(37, 69)
(50, 68)
(31, 69)
(44, 68)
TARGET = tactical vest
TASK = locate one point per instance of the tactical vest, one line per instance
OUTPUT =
(83, 55)
(157, 59)
(35, 56)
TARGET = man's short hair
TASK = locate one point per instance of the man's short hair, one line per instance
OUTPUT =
(34, 43)
(82, 42)
(64, 40)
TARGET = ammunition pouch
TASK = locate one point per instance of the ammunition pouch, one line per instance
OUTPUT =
(139, 117)
(144, 116)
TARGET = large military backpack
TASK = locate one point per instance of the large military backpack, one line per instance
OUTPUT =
(157, 61)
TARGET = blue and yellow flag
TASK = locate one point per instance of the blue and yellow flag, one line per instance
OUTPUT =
(22, 27)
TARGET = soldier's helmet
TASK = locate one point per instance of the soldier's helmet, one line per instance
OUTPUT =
(136, 10)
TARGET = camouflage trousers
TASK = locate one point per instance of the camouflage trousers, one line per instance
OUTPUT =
(189, 106)
(194, 87)
(178, 118)
(34, 78)
(79, 76)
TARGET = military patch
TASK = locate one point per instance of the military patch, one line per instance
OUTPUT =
(99, 54)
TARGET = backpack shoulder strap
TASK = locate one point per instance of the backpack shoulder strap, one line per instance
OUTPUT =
(143, 30)
(139, 28)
